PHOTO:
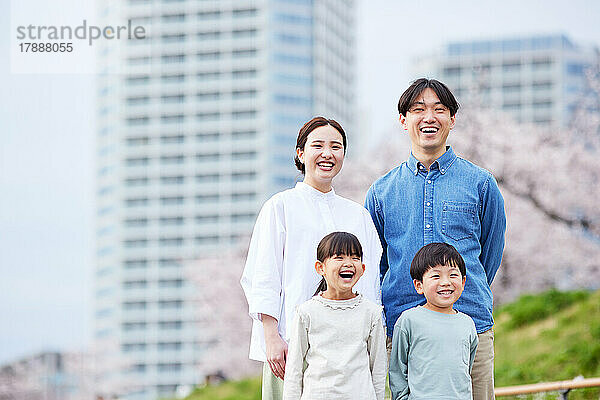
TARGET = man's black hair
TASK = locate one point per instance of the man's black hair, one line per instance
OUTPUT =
(434, 254)
(416, 88)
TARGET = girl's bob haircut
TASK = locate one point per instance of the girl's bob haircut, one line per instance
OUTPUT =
(334, 244)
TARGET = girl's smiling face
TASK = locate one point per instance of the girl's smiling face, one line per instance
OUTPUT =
(322, 156)
(341, 273)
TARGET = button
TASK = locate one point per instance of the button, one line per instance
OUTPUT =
(442, 169)
(428, 203)
(427, 226)
(428, 180)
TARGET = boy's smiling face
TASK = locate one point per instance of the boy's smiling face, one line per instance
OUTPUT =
(442, 285)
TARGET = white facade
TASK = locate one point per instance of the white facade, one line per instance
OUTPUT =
(534, 79)
(196, 128)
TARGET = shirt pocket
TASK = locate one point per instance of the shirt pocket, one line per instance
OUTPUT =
(458, 219)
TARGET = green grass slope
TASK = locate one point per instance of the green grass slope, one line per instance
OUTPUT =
(538, 338)
(549, 337)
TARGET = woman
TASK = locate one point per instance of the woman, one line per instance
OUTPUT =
(279, 272)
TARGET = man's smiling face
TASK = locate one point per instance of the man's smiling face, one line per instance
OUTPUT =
(428, 123)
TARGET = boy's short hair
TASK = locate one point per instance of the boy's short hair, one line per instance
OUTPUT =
(416, 88)
(434, 254)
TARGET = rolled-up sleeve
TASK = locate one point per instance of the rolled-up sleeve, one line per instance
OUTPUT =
(262, 276)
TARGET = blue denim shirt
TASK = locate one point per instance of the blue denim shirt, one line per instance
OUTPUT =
(455, 202)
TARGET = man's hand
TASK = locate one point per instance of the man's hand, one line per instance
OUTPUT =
(277, 348)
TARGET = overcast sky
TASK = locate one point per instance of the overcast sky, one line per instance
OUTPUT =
(47, 147)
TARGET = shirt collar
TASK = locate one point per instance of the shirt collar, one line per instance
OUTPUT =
(311, 191)
(443, 162)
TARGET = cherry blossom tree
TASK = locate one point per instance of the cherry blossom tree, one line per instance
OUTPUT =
(222, 314)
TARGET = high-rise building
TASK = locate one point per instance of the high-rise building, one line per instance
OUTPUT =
(196, 128)
(534, 79)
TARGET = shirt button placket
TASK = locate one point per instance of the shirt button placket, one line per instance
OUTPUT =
(327, 216)
(428, 210)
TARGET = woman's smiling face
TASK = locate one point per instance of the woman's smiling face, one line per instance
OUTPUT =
(322, 156)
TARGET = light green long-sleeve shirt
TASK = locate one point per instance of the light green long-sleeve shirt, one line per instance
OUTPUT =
(432, 355)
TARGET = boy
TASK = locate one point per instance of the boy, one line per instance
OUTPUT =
(433, 346)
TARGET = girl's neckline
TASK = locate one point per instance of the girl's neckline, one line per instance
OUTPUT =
(339, 304)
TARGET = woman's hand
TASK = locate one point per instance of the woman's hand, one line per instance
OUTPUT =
(277, 348)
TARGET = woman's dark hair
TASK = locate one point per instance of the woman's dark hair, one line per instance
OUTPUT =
(337, 244)
(434, 254)
(416, 88)
(310, 126)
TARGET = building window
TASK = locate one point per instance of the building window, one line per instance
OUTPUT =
(209, 35)
(133, 326)
(172, 78)
(137, 181)
(244, 134)
(170, 283)
(207, 198)
(241, 53)
(171, 221)
(243, 196)
(209, 55)
(209, 239)
(242, 217)
(243, 155)
(138, 100)
(204, 96)
(170, 304)
(243, 114)
(137, 161)
(170, 325)
(137, 284)
(137, 80)
(134, 305)
(209, 14)
(207, 136)
(138, 141)
(136, 222)
(140, 263)
(244, 33)
(169, 139)
(243, 94)
(173, 159)
(203, 178)
(172, 58)
(138, 121)
(243, 176)
(244, 12)
(174, 241)
(169, 346)
(129, 347)
(243, 73)
(171, 200)
(203, 219)
(208, 75)
(174, 38)
(168, 367)
(208, 116)
(173, 98)
(136, 202)
(207, 156)
(173, 17)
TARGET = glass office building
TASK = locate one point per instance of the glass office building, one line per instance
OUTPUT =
(196, 128)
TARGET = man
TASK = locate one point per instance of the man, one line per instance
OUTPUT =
(436, 196)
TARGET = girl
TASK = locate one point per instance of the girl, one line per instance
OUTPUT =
(337, 340)
(278, 275)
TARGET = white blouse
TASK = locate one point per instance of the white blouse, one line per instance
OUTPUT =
(280, 268)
